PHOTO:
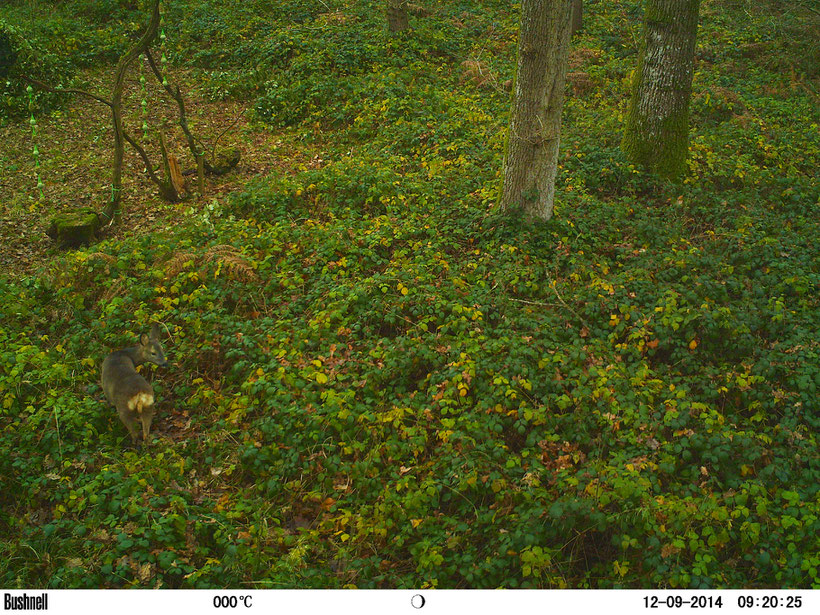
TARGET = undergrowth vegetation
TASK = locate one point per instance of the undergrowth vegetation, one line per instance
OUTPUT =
(379, 380)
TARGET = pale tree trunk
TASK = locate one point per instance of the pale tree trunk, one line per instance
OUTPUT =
(657, 125)
(531, 160)
(397, 20)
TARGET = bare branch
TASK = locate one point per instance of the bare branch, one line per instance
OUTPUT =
(177, 96)
(48, 88)
(166, 193)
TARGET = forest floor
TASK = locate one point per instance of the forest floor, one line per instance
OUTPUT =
(378, 379)
(76, 154)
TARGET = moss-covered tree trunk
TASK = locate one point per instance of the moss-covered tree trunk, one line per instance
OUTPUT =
(657, 126)
(531, 159)
(397, 20)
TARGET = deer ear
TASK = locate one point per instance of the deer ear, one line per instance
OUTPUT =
(143, 340)
(155, 331)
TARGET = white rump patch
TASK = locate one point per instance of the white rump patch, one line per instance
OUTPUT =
(140, 401)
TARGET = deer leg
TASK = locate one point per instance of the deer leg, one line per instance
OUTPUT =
(127, 418)
(145, 417)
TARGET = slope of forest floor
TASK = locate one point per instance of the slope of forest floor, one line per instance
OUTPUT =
(76, 149)
(377, 379)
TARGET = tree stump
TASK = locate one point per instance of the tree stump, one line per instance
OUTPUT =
(74, 228)
(397, 20)
(225, 161)
(8, 56)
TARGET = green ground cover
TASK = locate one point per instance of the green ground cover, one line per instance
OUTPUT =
(378, 379)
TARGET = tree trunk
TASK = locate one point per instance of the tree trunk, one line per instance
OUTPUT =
(657, 125)
(112, 210)
(531, 160)
(577, 15)
(397, 20)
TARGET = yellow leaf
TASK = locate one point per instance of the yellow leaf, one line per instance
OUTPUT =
(321, 378)
(415, 522)
(693, 344)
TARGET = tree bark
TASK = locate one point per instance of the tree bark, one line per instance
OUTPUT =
(165, 190)
(112, 210)
(531, 160)
(397, 20)
(176, 94)
(577, 15)
(656, 135)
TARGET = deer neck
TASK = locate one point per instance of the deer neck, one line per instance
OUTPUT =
(134, 354)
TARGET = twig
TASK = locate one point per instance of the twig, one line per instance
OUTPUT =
(554, 305)
(541, 303)
(564, 303)
(222, 134)
(48, 88)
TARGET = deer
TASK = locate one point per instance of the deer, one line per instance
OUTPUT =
(126, 389)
